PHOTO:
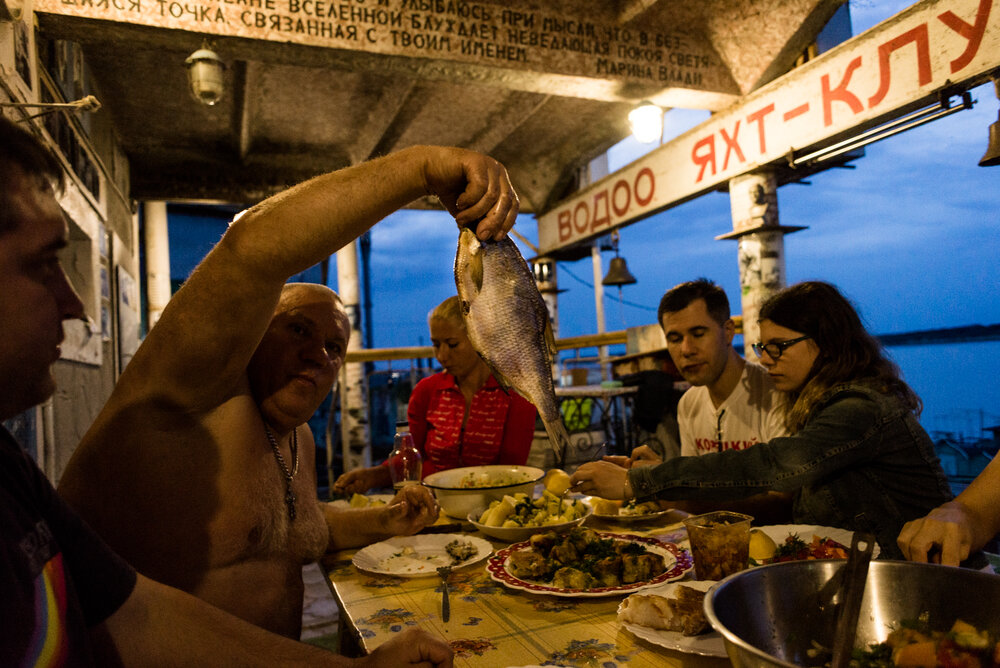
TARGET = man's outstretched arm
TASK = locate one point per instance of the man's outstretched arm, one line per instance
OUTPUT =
(952, 531)
(201, 345)
(161, 626)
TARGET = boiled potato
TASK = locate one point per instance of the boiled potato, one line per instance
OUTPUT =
(606, 506)
(556, 481)
(521, 510)
(499, 513)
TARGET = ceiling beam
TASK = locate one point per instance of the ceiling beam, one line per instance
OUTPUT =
(242, 85)
(588, 57)
(519, 108)
(381, 118)
(632, 9)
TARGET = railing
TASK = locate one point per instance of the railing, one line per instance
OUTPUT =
(424, 352)
(420, 352)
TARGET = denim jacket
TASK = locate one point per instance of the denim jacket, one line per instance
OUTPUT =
(861, 462)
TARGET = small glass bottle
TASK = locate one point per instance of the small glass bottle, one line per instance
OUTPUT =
(405, 462)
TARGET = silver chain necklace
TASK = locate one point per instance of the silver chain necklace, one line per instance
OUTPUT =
(289, 494)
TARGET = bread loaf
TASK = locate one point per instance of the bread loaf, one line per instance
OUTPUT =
(683, 614)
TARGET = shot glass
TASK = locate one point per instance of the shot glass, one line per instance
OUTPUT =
(720, 543)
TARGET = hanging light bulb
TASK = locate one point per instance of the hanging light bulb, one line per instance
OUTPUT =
(646, 121)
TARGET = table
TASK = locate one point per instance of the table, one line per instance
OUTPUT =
(494, 626)
(612, 406)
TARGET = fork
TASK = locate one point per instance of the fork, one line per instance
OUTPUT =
(444, 572)
(600, 451)
(593, 458)
(565, 493)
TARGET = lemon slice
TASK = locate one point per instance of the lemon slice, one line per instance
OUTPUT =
(762, 547)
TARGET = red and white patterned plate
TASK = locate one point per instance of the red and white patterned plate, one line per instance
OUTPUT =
(677, 560)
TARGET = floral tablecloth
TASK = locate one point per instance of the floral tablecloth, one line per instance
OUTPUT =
(492, 625)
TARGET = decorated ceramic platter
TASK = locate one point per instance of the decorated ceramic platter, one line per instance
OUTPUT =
(677, 561)
(779, 532)
(705, 644)
(421, 555)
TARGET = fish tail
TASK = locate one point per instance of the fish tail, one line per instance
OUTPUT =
(559, 440)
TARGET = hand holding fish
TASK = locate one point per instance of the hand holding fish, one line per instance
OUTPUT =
(473, 187)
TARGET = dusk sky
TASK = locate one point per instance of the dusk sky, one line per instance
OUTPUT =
(911, 236)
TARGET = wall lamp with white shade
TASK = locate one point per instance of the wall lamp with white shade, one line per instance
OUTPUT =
(205, 72)
(647, 122)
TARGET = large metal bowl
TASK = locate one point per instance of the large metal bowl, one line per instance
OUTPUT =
(492, 483)
(769, 616)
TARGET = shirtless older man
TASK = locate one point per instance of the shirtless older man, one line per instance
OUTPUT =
(94, 609)
(198, 470)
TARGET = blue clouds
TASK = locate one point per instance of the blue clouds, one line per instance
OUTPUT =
(912, 235)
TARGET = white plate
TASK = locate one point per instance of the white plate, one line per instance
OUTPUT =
(423, 554)
(346, 503)
(706, 644)
(677, 561)
(779, 532)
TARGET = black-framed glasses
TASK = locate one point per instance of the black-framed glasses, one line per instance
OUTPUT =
(774, 350)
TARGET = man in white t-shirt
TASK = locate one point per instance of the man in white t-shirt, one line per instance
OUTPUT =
(732, 403)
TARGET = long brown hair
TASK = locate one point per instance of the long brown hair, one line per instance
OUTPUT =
(847, 352)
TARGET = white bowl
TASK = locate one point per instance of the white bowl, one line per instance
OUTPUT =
(460, 502)
(518, 534)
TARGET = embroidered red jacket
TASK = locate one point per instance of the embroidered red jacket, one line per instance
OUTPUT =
(499, 429)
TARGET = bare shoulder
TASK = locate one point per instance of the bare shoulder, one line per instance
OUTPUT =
(147, 446)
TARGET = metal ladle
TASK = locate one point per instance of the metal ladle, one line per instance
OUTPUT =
(854, 574)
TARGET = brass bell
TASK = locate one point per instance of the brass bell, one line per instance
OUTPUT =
(618, 273)
(992, 156)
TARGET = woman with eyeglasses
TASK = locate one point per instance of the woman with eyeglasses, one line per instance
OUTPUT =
(857, 458)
